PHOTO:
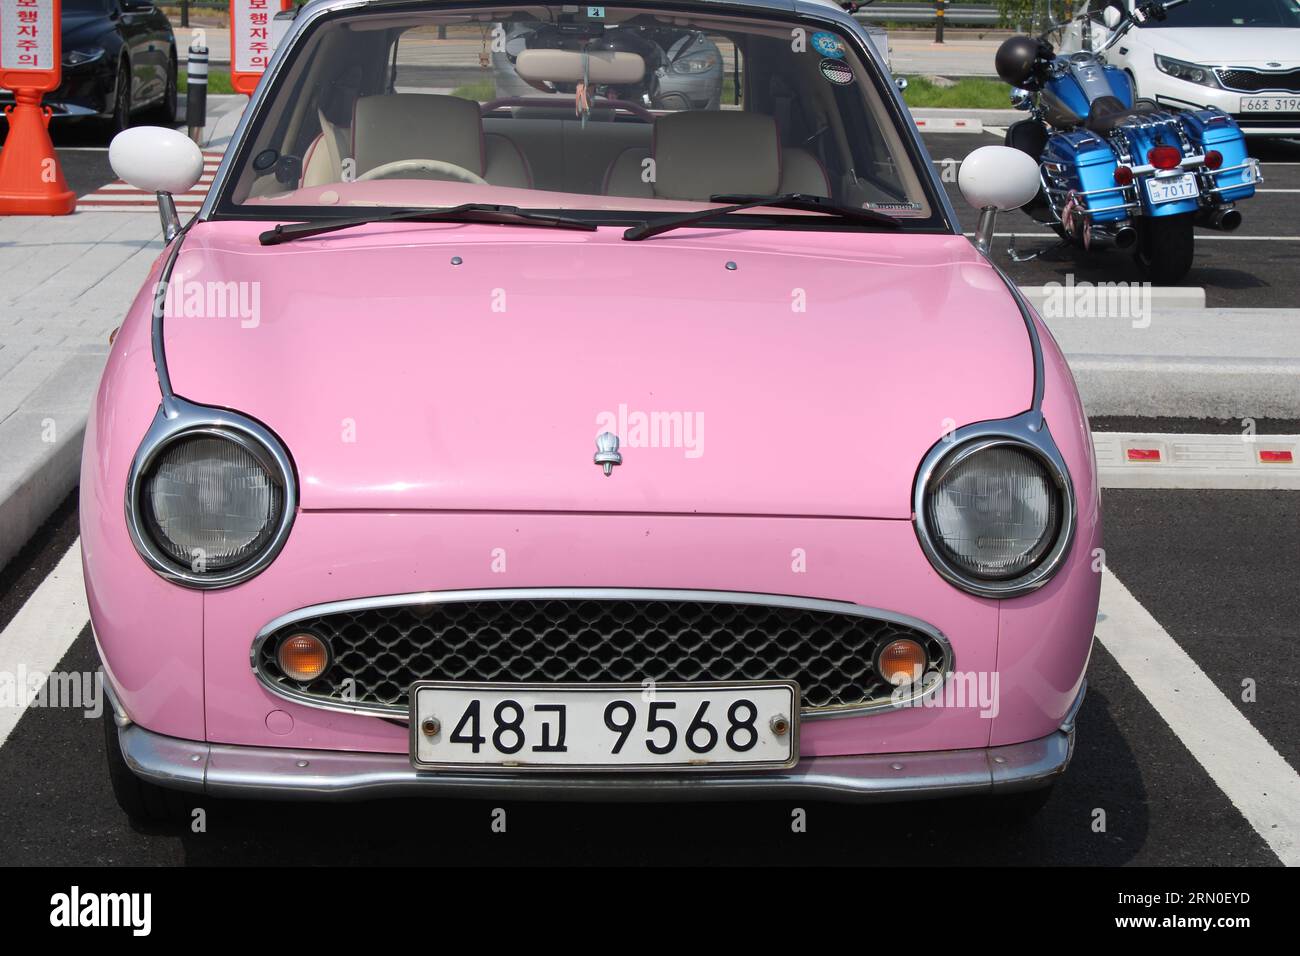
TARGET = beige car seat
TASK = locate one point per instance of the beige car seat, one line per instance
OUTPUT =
(703, 153)
(398, 126)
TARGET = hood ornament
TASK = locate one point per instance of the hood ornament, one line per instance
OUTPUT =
(607, 455)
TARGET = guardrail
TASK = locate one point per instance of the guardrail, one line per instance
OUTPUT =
(977, 14)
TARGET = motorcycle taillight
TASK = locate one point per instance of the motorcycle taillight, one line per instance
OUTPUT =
(1165, 157)
(1213, 158)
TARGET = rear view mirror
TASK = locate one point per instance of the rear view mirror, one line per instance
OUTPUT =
(158, 160)
(994, 179)
(604, 67)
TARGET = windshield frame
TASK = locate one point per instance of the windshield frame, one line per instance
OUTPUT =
(219, 205)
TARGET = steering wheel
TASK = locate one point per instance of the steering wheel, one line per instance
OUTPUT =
(400, 166)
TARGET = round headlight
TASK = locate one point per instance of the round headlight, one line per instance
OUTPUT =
(211, 501)
(993, 512)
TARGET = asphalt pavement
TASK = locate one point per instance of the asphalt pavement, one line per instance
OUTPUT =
(1253, 267)
(1215, 569)
(1206, 564)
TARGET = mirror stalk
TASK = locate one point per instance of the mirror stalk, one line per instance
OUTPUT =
(984, 231)
(171, 220)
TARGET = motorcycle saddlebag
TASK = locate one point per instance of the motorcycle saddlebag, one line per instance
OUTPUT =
(1084, 162)
(1214, 129)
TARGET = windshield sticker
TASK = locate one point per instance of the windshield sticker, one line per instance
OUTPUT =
(828, 44)
(836, 71)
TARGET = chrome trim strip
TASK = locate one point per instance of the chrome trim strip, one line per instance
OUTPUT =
(1072, 715)
(599, 594)
(268, 774)
(120, 717)
(1035, 345)
(175, 419)
(1028, 431)
(156, 342)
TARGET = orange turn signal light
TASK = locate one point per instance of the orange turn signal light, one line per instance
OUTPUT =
(303, 657)
(901, 662)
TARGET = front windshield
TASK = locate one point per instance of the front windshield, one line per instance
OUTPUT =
(1231, 13)
(600, 113)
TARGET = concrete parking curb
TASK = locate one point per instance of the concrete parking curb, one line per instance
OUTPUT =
(42, 442)
(984, 116)
(1161, 298)
(1197, 363)
(1242, 461)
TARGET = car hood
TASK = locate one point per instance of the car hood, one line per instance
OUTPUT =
(1235, 46)
(470, 367)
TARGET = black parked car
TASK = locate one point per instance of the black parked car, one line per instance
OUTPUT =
(119, 60)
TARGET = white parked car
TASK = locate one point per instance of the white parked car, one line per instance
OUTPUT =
(1242, 56)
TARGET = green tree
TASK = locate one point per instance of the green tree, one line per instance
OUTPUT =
(1024, 14)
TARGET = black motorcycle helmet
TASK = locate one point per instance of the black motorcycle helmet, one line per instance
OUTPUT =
(1016, 58)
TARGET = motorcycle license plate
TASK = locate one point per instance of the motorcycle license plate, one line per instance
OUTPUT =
(1172, 188)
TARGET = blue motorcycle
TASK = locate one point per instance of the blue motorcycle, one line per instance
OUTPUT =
(1116, 173)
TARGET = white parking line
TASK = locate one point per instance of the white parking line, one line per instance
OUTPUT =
(1255, 777)
(42, 631)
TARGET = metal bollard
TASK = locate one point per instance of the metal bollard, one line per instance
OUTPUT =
(196, 96)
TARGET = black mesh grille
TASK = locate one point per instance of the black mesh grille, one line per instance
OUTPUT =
(384, 650)
(1252, 81)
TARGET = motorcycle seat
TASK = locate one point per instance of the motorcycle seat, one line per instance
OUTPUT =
(1107, 114)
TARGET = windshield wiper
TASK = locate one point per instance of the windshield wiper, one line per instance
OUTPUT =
(465, 212)
(798, 201)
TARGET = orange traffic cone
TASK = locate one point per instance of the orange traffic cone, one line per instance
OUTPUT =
(31, 180)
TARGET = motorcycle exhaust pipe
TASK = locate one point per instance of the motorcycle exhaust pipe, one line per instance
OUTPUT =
(1222, 218)
(1100, 237)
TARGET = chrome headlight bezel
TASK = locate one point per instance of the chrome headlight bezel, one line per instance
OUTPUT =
(1027, 433)
(176, 420)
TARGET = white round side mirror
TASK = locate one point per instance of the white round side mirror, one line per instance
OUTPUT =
(1111, 17)
(998, 177)
(156, 159)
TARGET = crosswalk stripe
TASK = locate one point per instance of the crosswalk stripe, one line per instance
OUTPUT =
(123, 197)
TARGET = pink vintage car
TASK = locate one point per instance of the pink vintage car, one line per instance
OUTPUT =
(577, 447)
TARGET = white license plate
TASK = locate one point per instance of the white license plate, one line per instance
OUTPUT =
(1270, 104)
(1171, 188)
(729, 725)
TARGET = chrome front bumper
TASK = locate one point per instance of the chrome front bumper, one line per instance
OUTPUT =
(267, 774)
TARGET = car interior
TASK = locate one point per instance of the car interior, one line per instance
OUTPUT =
(366, 108)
